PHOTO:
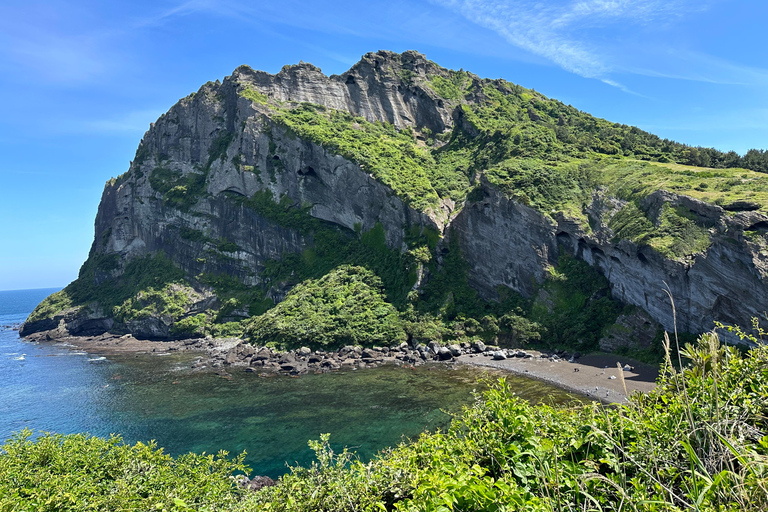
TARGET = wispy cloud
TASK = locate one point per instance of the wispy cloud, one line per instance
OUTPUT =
(221, 8)
(565, 32)
(58, 58)
(682, 64)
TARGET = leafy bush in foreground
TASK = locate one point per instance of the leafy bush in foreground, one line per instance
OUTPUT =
(79, 472)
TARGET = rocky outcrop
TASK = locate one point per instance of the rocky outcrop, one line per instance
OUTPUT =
(505, 243)
(634, 330)
(378, 88)
(511, 245)
(78, 321)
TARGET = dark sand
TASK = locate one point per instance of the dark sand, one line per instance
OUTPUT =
(592, 379)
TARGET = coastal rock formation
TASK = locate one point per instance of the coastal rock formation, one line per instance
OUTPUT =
(220, 181)
(509, 244)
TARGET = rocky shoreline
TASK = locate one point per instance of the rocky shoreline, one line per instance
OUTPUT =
(238, 354)
(595, 376)
(235, 353)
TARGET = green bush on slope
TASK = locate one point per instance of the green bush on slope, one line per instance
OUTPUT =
(345, 307)
(78, 473)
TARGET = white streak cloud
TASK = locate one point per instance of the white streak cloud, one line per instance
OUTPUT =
(564, 32)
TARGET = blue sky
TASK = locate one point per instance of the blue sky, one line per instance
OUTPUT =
(80, 81)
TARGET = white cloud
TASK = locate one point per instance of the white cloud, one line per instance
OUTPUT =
(564, 32)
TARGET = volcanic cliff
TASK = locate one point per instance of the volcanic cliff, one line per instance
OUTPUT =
(235, 191)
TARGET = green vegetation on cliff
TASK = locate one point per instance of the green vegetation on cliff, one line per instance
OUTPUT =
(171, 300)
(147, 286)
(334, 246)
(345, 307)
(574, 305)
(445, 309)
(676, 235)
(697, 442)
(96, 282)
(179, 190)
(51, 305)
(540, 152)
(389, 155)
(253, 95)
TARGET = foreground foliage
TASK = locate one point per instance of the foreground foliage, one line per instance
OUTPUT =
(697, 442)
(79, 472)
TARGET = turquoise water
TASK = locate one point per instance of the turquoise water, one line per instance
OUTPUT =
(55, 388)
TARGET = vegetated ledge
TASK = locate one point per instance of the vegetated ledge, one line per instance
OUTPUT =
(500, 453)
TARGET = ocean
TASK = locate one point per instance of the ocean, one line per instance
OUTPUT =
(56, 388)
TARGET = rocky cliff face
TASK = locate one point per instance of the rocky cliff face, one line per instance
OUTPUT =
(512, 245)
(378, 88)
(191, 194)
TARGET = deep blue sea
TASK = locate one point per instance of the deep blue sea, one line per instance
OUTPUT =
(52, 387)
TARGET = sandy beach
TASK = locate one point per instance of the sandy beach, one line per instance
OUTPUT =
(595, 375)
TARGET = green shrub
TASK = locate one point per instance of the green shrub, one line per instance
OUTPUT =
(344, 307)
(195, 326)
(51, 305)
(78, 473)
